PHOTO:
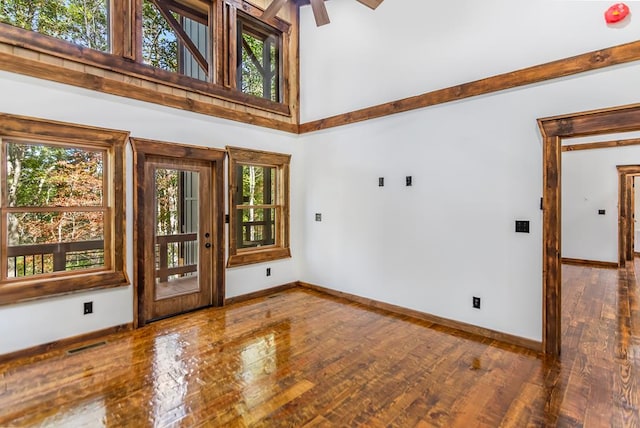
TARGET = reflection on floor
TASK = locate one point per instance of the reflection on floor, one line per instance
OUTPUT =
(300, 357)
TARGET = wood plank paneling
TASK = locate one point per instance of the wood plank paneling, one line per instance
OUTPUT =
(304, 358)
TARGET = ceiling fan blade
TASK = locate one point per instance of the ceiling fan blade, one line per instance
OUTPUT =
(320, 12)
(371, 3)
(273, 9)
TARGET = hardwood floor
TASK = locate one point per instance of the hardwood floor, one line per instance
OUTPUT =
(301, 358)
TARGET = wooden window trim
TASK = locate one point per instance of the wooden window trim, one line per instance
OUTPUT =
(281, 250)
(115, 275)
(126, 53)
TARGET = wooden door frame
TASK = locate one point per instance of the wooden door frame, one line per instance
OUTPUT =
(626, 174)
(143, 148)
(553, 130)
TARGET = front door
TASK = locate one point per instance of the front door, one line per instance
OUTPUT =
(177, 255)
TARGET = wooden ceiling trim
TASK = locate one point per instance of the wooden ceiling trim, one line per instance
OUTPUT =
(594, 60)
(43, 70)
(601, 145)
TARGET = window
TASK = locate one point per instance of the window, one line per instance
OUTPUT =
(82, 22)
(175, 37)
(61, 209)
(220, 49)
(258, 59)
(259, 200)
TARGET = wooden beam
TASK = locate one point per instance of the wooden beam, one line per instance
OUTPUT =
(595, 122)
(552, 70)
(273, 9)
(601, 145)
(552, 266)
(33, 68)
(320, 12)
(371, 3)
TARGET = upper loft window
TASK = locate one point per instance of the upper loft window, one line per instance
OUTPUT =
(175, 37)
(215, 48)
(82, 22)
(259, 62)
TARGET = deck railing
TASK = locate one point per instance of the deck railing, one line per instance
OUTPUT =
(176, 255)
(26, 260)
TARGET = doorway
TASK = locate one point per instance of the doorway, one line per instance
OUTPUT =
(554, 129)
(179, 214)
(626, 212)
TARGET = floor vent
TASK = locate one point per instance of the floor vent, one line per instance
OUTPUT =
(85, 347)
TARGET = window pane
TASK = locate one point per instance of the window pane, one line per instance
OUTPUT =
(257, 227)
(259, 63)
(258, 185)
(83, 22)
(41, 176)
(162, 47)
(51, 242)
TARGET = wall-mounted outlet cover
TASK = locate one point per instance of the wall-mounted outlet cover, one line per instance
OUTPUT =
(476, 302)
(88, 308)
(522, 226)
(602, 212)
(318, 216)
(381, 181)
(268, 271)
(409, 180)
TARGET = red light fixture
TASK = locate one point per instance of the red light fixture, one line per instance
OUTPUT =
(616, 13)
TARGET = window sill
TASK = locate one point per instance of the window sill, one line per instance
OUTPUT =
(258, 256)
(21, 291)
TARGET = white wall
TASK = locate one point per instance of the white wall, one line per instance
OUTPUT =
(42, 321)
(476, 163)
(407, 47)
(590, 183)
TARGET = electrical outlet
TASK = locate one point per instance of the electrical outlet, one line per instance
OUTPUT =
(476, 302)
(88, 308)
(381, 181)
(602, 212)
(409, 180)
(318, 217)
(268, 271)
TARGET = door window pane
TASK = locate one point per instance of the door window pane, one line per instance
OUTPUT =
(177, 228)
